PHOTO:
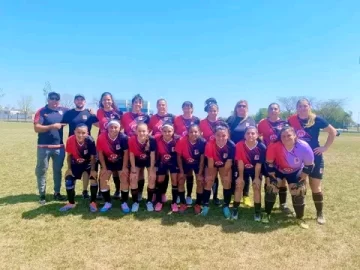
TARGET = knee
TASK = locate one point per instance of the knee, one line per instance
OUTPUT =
(69, 183)
(256, 188)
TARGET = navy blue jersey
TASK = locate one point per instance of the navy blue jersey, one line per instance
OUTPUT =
(237, 127)
(74, 118)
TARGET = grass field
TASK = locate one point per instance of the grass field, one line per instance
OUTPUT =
(40, 237)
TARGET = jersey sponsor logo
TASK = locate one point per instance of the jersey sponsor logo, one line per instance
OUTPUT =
(184, 133)
(143, 156)
(296, 160)
(117, 147)
(80, 160)
(113, 157)
(249, 166)
(190, 160)
(256, 157)
(112, 116)
(167, 157)
(219, 163)
(225, 155)
(300, 133)
(140, 118)
(86, 151)
(61, 112)
(196, 152)
(273, 137)
(84, 117)
(212, 137)
(288, 170)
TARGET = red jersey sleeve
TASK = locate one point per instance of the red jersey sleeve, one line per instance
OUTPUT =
(271, 152)
(100, 143)
(132, 146)
(239, 149)
(179, 146)
(39, 118)
(209, 150)
(69, 148)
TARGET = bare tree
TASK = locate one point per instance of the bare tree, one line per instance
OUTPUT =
(288, 104)
(46, 90)
(67, 101)
(25, 105)
(95, 102)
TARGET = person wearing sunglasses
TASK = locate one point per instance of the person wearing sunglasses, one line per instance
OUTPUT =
(238, 123)
(48, 125)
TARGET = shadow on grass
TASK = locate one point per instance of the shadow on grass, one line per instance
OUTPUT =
(215, 217)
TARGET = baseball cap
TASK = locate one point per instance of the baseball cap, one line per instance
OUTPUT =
(53, 94)
(79, 96)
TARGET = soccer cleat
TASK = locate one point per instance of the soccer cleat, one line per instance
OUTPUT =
(85, 194)
(178, 200)
(235, 214)
(189, 200)
(257, 217)
(182, 208)
(286, 210)
(135, 207)
(226, 212)
(93, 207)
(149, 207)
(117, 195)
(125, 208)
(197, 209)
(320, 219)
(59, 197)
(158, 207)
(42, 200)
(140, 197)
(302, 224)
(265, 218)
(107, 206)
(205, 211)
(216, 201)
(67, 207)
(174, 208)
(247, 201)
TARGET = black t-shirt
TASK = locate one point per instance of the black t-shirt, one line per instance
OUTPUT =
(74, 118)
(238, 126)
(311, 135)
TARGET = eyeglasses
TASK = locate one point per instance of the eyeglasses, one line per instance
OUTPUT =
(54, 98)
(241, 106)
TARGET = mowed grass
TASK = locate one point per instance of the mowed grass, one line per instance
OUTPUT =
(40, 237)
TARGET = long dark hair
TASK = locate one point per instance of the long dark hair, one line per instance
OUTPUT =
(113, 105)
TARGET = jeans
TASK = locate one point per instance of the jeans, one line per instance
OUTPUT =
(43, 156)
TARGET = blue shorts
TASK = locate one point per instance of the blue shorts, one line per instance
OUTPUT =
(114, 166)
(319, 165)
(164, 169)
(79, 169)
(191, 167)
(142, 163)
(291, 178)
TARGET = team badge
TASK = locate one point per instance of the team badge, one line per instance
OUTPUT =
(225, 155)
(117, 147)
(84, 117)
(61, 112)
(196, 152)
(112, 116)
(166, 118)
(184, 133)
(85, 152)
(300, 133)
(212, 137)
(140, 118)
(256, 157)
(296, 160)
(247, 124)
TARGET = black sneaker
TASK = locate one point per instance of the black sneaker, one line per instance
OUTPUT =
(85, 194)
(216, 201)
(59, 197)
(42, 200)
(116, 195)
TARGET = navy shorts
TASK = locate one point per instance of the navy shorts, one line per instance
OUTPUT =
(79, 169)
(142, 163)
(191, 167)
(264, 172)
(114, 166)
(291, 178)
(318, 170)
(164, 169)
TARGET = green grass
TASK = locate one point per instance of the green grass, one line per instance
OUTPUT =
(40, 237)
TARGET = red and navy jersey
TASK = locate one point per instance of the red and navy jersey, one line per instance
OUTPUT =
(165, 151)
(142, 151)
(46, 116)
(113, 149)
(311, 134)
(270, 131)
(208, 129)
(181, 124)
(220, 154)
(80, 153)
(157, 121)
(250, 156)
(290, 161)
(190, 152)
(129, 122)
(105, 117)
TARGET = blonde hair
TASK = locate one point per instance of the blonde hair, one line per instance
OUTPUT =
(312, 116)
(247, 106)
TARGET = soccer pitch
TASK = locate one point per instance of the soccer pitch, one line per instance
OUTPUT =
(40, 237)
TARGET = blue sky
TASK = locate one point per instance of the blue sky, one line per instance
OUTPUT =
(182, 50)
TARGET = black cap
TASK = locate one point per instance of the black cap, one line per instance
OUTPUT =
(79, 96)
(52, 94)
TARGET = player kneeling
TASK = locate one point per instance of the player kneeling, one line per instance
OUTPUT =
(190, 158)
(250, 155)
(290, 159)
(113, 153)
(81, 160)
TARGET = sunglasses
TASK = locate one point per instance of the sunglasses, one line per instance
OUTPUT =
(241, 106)
(54, 98)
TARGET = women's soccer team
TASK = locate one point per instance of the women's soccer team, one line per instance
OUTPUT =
(181, 149)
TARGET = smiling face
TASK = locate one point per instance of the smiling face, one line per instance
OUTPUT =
(213, 112)
(113, 130)
(167, 132)
(81, 133)
(142, 131)
(79, 102)
(137, 105)
(288, 137)
(251, 135)
(241, 109)
(53, 101)
(303, 108)
(221, 136)
(107, 101)
(161, 107)
(194, 133)
(274, 111)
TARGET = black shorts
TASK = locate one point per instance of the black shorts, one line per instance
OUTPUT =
(114, 166)
(79, 169)
(291, 178)
(164, 169)
(191, 167)
(318, 170)
(264, 172)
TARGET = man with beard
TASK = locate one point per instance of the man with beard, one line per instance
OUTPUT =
(76, 116)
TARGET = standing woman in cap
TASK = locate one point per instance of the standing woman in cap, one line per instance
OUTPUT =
(80, 115)
(48, 125)
(238, 122)
(307, 126)
(108, 111)
(113, 153)
(182, 124)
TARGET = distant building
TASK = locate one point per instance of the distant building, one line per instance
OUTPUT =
(125, 106)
